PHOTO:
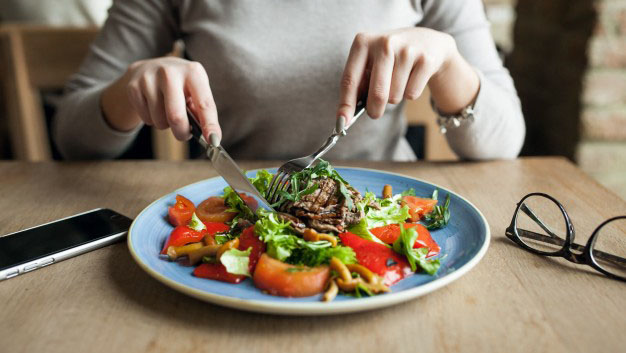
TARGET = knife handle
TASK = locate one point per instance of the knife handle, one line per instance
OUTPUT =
(196, 131)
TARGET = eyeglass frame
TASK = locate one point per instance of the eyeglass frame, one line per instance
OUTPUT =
(586, 256)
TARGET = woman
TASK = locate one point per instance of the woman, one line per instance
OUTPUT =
(278, 74)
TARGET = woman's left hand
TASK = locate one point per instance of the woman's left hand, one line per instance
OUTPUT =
(396, 65)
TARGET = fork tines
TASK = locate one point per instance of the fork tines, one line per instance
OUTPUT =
(279, 182)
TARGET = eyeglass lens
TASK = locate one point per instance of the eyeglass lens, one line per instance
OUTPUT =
(609, 248)
(541, 225)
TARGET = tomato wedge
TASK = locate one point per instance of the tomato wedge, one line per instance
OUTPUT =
(388, 234)
(378, 258)
(249, 239)
(279, 278)
(213, 209)
(418, 207)
(217, 272)
(181, 212)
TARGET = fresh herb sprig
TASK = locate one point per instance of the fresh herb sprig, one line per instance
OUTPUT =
(440, 216)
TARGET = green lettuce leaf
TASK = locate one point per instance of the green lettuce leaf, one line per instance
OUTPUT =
(262, 180)
(195, 223)
(390, 212)
(236, 261)
(283, 244)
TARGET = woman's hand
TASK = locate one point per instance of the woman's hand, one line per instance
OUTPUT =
(399, 64)
(157, 92)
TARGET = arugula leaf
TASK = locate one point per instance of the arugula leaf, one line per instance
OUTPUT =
(404, 245)
(302, 180)
(195, 223)
(236, 261)
(346, 195)
(440, 216)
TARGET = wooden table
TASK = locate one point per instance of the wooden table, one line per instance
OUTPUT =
(512, 301)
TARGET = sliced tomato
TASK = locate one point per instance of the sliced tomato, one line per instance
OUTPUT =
(181, 212)
(378, 258)
(279, 278)
(217, 272)
(249, 239)
(183, 235)
(213, 209)
(418, 207)
(388, 234)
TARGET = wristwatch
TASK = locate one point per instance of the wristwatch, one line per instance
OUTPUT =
(452, 121)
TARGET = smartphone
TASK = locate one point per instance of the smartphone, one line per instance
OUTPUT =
(43, 245)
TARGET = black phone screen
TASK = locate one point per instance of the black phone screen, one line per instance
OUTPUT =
(49, 239)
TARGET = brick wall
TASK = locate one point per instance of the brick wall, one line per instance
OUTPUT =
(568, 59)
(602, 149)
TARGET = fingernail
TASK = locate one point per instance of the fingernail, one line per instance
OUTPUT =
(341, 124)
(214, 139)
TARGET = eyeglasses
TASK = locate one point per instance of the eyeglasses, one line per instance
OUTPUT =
(543, 227)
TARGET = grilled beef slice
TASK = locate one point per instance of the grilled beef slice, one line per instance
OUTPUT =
(325, 209)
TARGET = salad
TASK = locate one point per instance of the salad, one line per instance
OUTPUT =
(325, 236)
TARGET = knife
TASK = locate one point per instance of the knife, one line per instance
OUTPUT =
(228, 169)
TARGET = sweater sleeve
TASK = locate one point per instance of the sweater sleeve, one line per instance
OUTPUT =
(498, 129)
(134, 30)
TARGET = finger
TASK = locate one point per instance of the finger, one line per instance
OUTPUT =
(172, 89)
(154, 102)
(352, 77)
(420, 75)
(401, 71)
(138, 102)
(197, 84)
(380, 81)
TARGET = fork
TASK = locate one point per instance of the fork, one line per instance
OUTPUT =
(280, 181)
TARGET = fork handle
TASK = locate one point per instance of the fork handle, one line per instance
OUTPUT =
(341, 128)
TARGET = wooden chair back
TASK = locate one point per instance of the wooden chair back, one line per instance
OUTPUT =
(36, 58)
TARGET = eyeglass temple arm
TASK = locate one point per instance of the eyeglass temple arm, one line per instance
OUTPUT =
(557, 241)
(535, 218)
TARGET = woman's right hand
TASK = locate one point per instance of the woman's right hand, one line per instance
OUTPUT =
(158, 92)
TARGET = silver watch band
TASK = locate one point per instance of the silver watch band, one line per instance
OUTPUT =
(447, 121)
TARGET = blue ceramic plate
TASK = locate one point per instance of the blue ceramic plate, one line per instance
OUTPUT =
(463, 243)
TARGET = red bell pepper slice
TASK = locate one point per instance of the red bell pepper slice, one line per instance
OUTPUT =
(183, 235)
(378, 258)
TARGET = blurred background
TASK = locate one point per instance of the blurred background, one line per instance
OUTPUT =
(568, 60)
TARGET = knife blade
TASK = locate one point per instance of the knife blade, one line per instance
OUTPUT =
(228, 169)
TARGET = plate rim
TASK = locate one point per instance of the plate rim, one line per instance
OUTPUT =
(314, 308)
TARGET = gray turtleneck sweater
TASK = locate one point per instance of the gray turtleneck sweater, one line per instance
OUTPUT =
(275, 67)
